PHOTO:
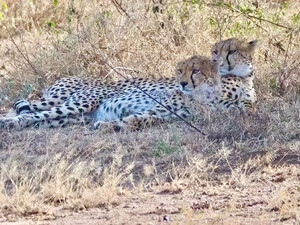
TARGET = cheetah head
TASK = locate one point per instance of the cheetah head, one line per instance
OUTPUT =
(234, 56)
(194, 72)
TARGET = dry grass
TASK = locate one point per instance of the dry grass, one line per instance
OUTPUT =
(45, 171)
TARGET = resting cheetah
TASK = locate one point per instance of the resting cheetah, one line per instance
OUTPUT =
(234, 85)
(127, 104)
(123, 104)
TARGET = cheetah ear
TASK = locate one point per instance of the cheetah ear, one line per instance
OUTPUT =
(252, 45)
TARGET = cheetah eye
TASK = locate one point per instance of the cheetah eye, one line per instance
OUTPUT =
(231, 52)
(179, 71)
(195, 71)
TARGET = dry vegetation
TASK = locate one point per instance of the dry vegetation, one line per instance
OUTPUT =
(241, 172)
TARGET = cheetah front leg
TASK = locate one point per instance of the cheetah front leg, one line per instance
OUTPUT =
(133, 122)
(158, 113)
(61, 122)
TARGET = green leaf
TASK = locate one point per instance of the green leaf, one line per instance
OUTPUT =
(155, 9)
(55, 2)
(296, 17)
(50, 23)
(212, 21)
(195, 1)
(4, 4)
(219, 3)
(28, 88)
(273, 83)
(1, 16)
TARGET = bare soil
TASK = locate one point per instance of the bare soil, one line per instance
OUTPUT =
(243, 188)
(265, 201)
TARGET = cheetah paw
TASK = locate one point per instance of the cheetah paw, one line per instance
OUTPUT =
(7, 123)
(106, 126)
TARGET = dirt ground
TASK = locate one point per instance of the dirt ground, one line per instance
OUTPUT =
(274, 199)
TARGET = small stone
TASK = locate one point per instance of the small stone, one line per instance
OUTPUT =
(166, 218)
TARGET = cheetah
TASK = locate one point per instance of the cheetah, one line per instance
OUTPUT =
(139, 102)
(132, 103)
(233, 86)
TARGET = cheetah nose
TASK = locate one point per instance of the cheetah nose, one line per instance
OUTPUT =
(183, 84)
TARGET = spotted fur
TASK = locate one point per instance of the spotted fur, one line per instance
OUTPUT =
(123, 104)
(232, 60)
(127, 103)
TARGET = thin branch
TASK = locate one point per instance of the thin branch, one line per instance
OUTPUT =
(119, 7)
(287, 49)
(272, 37)
(220, 30)
(26, 58)
(123, 68)
(292, 69)
(255, 17)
